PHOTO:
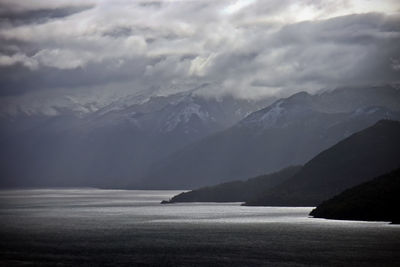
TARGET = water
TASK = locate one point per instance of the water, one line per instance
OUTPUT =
(90, 227)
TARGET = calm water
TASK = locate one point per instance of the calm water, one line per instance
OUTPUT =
(93, 227)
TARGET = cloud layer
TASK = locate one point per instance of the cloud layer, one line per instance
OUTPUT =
(248, 48)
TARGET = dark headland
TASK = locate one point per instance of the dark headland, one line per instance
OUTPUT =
(236, 191)
(376, 200)
(357, 159)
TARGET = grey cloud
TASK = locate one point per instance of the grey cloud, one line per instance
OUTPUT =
(156, 4)
(17, 79)
(13, 19)
(352, 49)
(256, 51)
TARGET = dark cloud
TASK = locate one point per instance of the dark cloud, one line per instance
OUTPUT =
(156, 4)
(18, 79)
(10, 18)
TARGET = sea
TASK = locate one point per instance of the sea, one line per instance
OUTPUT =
(94, 227)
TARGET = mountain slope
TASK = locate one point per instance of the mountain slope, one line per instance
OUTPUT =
(111, 147)
(376, 200)
(289, 132)
(356, 159)
(236, 191)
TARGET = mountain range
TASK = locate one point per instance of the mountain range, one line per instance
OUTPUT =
(288, 132)
(182, 140)
(111, 146)
(362, 156)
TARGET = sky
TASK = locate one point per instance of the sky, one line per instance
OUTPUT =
(93, 52)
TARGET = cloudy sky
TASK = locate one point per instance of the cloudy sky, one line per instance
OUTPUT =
(61, 52)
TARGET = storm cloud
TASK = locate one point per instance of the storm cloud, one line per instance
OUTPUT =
(99, 51)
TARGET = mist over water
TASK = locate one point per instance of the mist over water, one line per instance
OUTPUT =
(121, 227)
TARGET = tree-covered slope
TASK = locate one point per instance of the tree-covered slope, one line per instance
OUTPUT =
(236, 191)
(358, 158)
(376, 200)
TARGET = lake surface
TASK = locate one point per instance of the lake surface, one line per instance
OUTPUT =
(91, 227)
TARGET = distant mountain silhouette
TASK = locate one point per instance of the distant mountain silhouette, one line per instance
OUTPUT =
(358, 158)
(236, 191)
(110, 147)
(289, 132)
(376, 200)
(182, 140)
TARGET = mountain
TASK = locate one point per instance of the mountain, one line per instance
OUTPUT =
(375, 200)
(354, 160)
(111, 146)
(289, 132)
(236, 191)
(182, 140)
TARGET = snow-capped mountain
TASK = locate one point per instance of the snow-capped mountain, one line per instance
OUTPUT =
(280, 113)
(182, 140)
(109, 146)
(288, 132)
(301, 106)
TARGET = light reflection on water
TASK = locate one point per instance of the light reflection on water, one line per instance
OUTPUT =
(137, 206)
(86, 220)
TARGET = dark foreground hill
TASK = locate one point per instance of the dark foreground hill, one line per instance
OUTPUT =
(362, 156)
(376, 200)
(236, 191)
(359, 158)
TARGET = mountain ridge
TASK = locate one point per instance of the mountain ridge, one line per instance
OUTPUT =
(356, 159)
(236, 191)
(109, 148)
(288, 132)
(348, 163)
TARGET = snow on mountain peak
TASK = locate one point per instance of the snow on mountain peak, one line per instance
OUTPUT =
(271, 117)
(266, 118)
(184, 115)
